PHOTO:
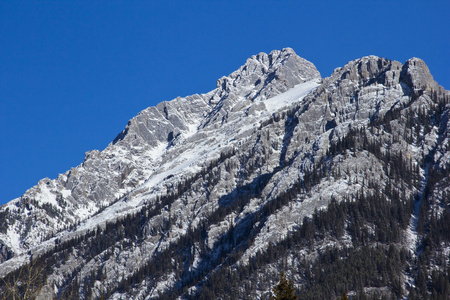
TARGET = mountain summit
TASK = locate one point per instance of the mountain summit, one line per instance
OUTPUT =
(339, 182)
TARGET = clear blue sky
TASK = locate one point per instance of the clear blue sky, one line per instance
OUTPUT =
(72, 73)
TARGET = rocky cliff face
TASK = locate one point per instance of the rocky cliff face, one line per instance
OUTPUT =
(195, 195)
(107, 176)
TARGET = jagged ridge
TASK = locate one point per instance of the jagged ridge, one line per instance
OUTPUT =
(216, 178)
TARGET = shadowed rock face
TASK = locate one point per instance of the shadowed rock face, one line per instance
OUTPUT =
(214, 162)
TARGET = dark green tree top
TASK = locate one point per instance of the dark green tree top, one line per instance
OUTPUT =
(284, 290)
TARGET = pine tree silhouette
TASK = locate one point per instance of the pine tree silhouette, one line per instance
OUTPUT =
(284, 290)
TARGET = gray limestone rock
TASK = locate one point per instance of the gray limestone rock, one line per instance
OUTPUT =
(215, 161)
(416, 75)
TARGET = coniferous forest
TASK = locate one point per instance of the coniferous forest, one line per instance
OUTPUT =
(386, 237)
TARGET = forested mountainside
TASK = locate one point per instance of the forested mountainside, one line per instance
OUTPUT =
(340, 182)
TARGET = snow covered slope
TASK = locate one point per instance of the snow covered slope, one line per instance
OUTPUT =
(206, 185)
(140, 153)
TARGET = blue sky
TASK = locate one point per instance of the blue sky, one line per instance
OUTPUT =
(72, 73)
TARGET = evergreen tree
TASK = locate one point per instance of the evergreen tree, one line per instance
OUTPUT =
(284, 290)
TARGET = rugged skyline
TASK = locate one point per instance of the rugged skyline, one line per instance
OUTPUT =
(341, 182)
(73, 73)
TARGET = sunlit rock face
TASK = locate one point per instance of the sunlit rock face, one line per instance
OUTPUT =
(199, 186)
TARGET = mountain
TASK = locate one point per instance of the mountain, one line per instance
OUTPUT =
(339, 182)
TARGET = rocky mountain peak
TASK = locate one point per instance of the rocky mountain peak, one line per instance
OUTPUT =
(267, 75)
(369, 69)
(262, 76)
(271, 170)
(416, 75)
